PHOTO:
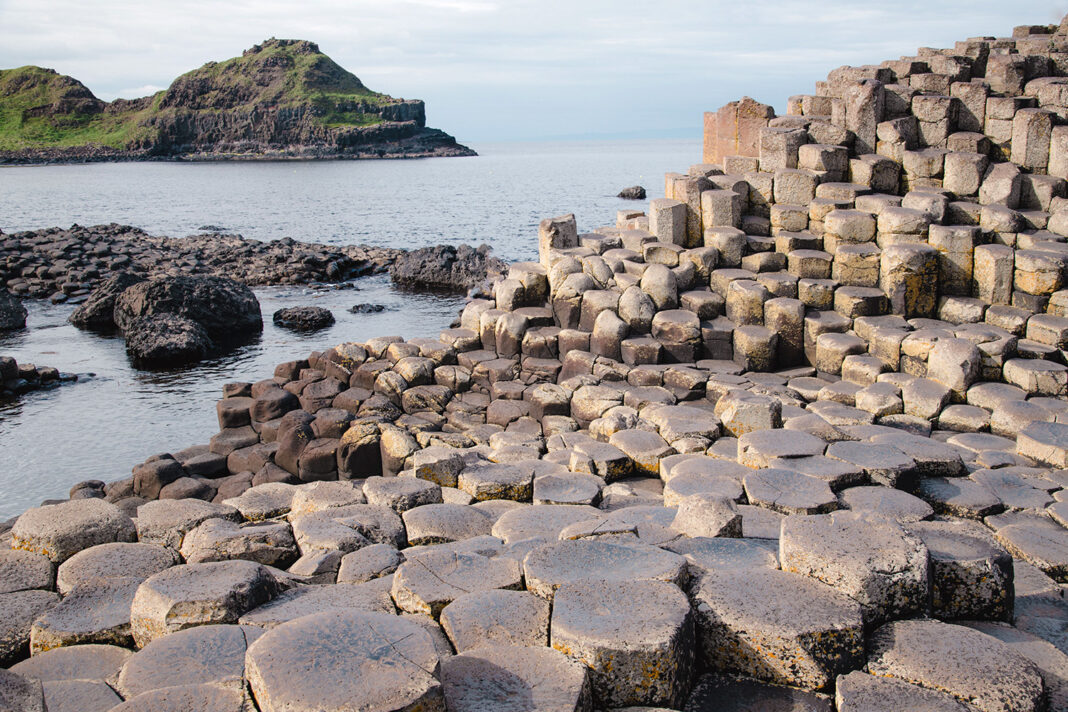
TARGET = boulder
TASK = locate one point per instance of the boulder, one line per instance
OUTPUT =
(12, 313)
(634, 192)
(303, 318)
(446, 267)
(98, 310)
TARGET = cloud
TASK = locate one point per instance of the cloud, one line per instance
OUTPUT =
(496, 69)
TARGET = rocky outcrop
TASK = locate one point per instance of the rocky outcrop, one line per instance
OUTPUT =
(175, 320)
(303, 318)
(19, 378)
(280, 99)
(674, 464)
(98, 310)
(634, 192)
(12, 313)
(67, 264)
(446, 267)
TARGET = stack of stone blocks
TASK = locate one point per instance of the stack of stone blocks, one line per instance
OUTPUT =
(793, 438)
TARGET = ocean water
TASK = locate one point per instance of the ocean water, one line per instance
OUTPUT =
(103, 425)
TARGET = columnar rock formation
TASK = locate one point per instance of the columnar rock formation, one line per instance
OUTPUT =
(791, 439)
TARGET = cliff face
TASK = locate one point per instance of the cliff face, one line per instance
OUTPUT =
(280, 99)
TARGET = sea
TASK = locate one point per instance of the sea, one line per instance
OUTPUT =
(115, 415)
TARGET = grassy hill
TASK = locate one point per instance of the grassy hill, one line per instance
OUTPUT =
(281, 95)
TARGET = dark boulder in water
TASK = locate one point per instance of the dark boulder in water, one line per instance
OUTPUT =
(635, 192)
(303, 318)
(446, 267)
(166, 340)
(366, 308)
(12, 313)
(222, 307)
(98, 311)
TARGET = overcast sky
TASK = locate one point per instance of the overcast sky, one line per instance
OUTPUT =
(514, 69)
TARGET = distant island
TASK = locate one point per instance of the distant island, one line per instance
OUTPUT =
(282, 99)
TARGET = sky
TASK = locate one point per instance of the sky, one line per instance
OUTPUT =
(503, 70)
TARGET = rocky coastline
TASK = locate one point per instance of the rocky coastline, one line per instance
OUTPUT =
(795, 437)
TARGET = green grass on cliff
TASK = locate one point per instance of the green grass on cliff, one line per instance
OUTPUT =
(42, 109)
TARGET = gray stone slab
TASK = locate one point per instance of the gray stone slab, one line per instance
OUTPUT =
(789, 492)
(636, 637)
(196, 656)
(965, 663)
(116, 560)
(59, 531)
(96, 611)
(777, 627)
(305, 600)
(77, 662)
(725, 693)
(860, 692)
(548, 567)
(24, 570)
(79, 696)
(429, 582)
(18, 610)
(514, 678)
(501, 617)
(352, 660)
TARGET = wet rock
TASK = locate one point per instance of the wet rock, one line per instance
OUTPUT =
(12, 313)
(446, 267)
(98, 311)
(634, 192)
(303, 318)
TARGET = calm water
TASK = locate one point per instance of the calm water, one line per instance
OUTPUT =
(101, 426)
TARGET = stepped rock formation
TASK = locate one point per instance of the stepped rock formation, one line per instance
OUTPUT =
(280, 99)
(794, 438)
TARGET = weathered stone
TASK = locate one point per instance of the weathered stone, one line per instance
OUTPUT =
(860, 692)
(438, 523)
(777, 626)
(96, 611)
(971, 574)
(548, 567)
(24, 570)
(198, 594)
(428, 583)
(59, 531)
(268, 543)
(636, 637)
(975, 668)
(305, 600)
(511, 678)
(77, 662)
(356, 660)
(210, 654)
(18, 610)
(789, 492)
(496, 617)
(872, 560)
